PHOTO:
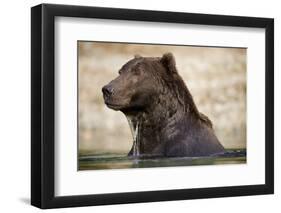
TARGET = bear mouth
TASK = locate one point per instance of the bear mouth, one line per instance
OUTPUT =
(125, 108)
(113, 106)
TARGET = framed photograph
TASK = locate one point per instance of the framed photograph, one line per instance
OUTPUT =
(139, 106)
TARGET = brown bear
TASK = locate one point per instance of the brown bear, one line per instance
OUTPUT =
(163, 117)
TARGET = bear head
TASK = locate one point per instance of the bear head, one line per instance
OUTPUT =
(140, 82)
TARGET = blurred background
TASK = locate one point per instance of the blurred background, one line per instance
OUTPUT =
(216, 77)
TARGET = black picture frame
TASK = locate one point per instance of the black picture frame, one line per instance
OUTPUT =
(43, 105)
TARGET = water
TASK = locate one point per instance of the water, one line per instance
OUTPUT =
(122, 161)
(136, 136)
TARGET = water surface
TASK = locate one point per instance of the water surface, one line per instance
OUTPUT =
(122, 161)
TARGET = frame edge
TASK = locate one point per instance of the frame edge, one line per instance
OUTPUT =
(36, 85)
(269, 112)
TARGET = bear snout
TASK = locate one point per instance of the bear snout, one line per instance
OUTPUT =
(107, 90)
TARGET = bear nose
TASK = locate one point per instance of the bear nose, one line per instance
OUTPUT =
(107, 90)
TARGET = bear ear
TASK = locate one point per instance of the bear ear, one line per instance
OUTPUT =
(137, 56)
(168, 60)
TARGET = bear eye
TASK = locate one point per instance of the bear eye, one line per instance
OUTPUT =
(136, 71)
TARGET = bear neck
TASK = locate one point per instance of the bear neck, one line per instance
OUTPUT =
(155, 124)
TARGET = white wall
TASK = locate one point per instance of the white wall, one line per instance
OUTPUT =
(15, 106)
